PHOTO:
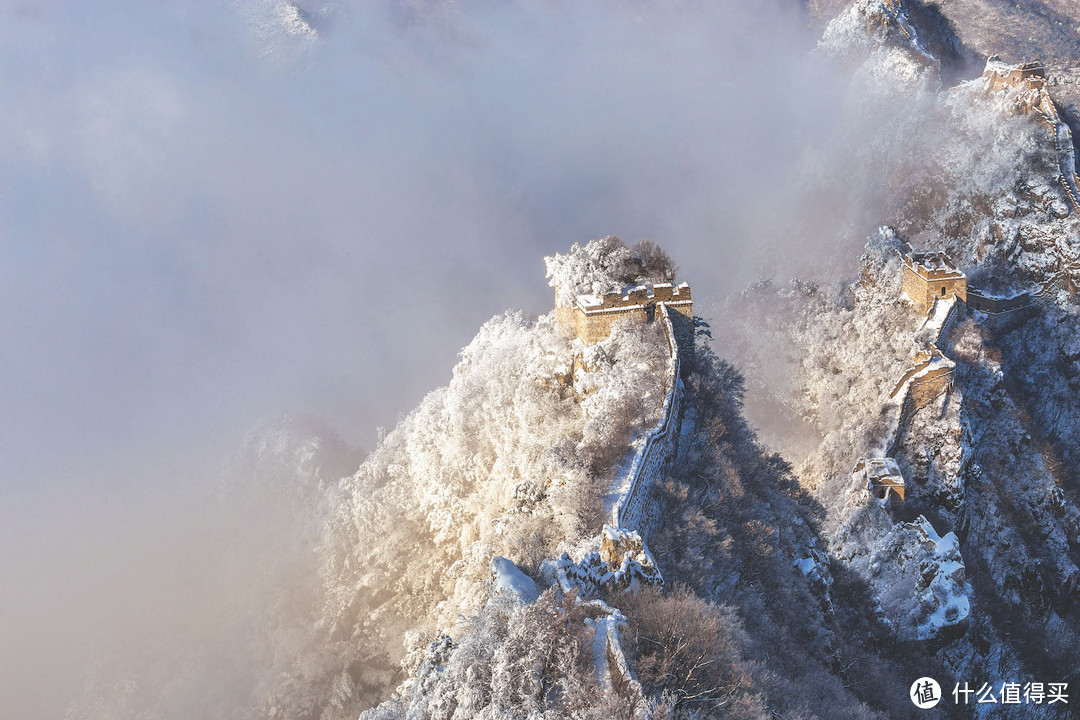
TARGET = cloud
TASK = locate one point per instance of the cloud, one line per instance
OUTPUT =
(242, 233)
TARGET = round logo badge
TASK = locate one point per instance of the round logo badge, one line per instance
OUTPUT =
(925, 693)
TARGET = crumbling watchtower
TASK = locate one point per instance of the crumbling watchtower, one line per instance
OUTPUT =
(1029, 76)
(882, 477)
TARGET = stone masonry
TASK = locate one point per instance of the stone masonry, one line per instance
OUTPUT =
(591, 317)
(929, 276)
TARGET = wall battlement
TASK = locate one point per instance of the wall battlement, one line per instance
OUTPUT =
(1028, 81)
(929, 276)
(591, 317)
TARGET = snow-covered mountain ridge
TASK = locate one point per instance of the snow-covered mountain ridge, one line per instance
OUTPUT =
(980, 560)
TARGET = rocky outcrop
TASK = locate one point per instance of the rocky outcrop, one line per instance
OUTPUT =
(507, 579)
(880, 34)
(920, 581)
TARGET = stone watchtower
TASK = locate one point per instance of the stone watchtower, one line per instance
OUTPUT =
(881, 476)
(929, 276)
(1029, 76)
(591, 317)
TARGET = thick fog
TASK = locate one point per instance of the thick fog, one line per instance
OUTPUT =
(216, 212)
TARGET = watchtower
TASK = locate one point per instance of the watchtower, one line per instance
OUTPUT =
(591, 317)
(882, 477)
(1028, 76)
(929, 276)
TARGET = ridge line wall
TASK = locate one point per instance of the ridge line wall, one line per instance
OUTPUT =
(1029, 79)
(922, 390)
(1047, 111)
(634, 510)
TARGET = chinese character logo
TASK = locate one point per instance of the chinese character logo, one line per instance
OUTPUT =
(925, 693)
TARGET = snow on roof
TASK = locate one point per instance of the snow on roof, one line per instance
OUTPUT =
(996, 64)
(594, 302)
(932, 262)
(878, 470)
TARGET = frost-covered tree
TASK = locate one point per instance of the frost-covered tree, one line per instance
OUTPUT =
(685, 648)
(512, 458)
(607, 264)
(515, 661)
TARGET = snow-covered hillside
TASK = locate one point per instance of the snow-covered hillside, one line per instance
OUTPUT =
(979, 561)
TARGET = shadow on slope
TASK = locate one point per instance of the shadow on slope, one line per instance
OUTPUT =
(738, 530)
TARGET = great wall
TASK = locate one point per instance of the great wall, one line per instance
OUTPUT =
(634, 511)
(623, 559)
(1033, 98)
(931, 373)
(1029, 83)
(932, 283)
(937, 287)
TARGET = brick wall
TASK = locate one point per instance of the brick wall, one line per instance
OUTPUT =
(923, 288)
(995, 305)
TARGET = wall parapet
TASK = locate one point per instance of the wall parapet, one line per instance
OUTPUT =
(931, 375)
(997, 304)
(622, 542)
(592, 317)
(633, 510)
